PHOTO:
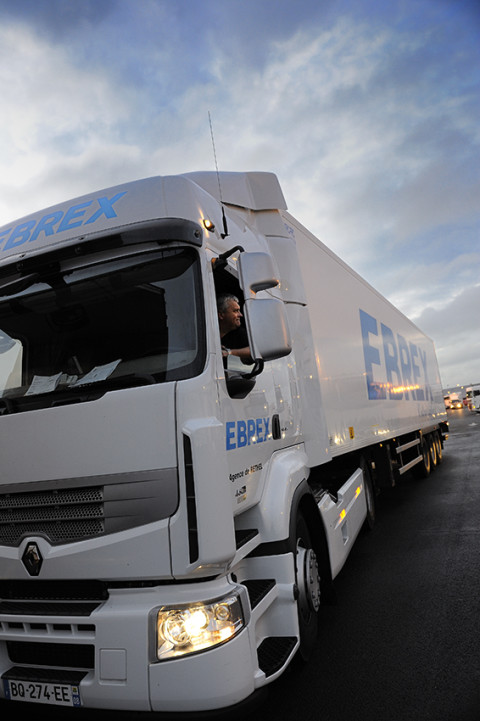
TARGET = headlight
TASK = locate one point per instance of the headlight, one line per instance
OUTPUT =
(188, 629)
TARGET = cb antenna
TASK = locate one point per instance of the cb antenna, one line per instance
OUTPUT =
(225, 229)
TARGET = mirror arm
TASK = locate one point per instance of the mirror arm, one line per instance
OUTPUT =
(257, 369)
(221, 261)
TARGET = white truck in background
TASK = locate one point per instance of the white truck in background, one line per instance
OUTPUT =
(169, 526)
(474, 399)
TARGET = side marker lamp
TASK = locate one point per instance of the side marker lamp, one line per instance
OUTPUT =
(189, 629)
(208, 225)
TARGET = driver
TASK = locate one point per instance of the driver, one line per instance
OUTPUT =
(232, 334)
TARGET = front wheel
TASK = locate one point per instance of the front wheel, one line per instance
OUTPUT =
(307, 586)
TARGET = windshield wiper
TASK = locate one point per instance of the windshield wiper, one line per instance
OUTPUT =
(125, 381)
(7, 405)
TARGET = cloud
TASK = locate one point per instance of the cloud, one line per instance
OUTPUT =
(54, 114)
(370, 124)
(454, 329)
(465, 306)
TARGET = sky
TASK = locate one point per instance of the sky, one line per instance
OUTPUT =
(368, 112)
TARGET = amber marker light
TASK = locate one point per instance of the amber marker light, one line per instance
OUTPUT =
(208, 225)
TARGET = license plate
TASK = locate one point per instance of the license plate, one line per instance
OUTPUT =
(60, 694)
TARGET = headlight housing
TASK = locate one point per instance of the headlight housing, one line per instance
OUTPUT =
(188, 629)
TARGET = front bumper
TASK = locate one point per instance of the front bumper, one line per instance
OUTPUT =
(123, 672)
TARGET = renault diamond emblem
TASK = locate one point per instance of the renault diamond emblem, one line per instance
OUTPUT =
(32, 559)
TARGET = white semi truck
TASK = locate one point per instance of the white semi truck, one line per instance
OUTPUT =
(474, 401)
(170, 526)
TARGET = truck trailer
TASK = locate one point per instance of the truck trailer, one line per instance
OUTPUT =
(171, 519)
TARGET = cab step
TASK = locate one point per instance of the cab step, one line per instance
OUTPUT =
(274, 652)
(244, 535)
(257, 589)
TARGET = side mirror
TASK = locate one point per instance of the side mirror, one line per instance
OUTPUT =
(265, 318)
(256, 272)
(267, 328)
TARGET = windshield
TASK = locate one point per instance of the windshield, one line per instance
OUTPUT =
(121, 322)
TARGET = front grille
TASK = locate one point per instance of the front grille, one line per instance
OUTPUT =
(83, 508)
(65, 655)
(52, 497)
(46, 609)
(54, 591)
(56, 532)
(63, 515)
(49, 598)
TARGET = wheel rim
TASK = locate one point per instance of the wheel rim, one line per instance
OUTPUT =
(308, 581)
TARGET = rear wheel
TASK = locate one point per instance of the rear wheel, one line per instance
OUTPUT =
(433, 451)
(307, 583)
(438, 444)
(422, 469)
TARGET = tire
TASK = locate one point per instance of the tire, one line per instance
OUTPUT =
(369, 496)
(422, 469)
(433, 451)
(307, 586)
(438, 444)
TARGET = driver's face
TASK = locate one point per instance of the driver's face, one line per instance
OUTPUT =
(231, 317)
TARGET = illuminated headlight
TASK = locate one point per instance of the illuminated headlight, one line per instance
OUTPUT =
(188, 629)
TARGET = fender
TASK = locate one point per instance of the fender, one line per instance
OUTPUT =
(287, 470)
(286, 491)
